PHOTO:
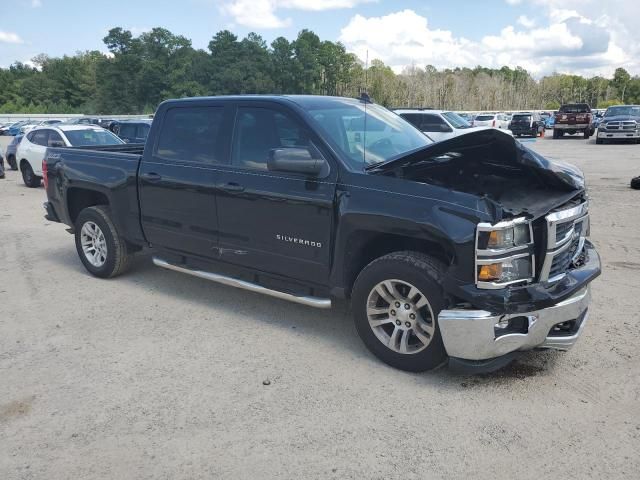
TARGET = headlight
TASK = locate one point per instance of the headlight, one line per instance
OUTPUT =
(504, 253)
(505, 238)
(602, 125)
(506, 271)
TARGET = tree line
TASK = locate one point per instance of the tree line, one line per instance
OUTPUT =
(141, 71)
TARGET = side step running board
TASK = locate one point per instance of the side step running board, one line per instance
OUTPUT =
(252, 287)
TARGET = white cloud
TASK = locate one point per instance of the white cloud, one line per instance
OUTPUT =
(526, 21)
(36, 3)
(264, 13)
(9, 37)
(568, 36)
(514, 2)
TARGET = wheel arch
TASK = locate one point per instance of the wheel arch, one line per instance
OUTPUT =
(79, 198)
(363, 247)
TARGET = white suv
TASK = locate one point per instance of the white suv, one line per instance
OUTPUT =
(33, 146)
(494, 120)
(438, 124)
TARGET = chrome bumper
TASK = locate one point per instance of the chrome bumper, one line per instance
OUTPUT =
(471, 334)
(621, 134)
(567, 126)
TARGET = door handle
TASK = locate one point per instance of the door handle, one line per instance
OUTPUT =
(231, 187)
(151, 177)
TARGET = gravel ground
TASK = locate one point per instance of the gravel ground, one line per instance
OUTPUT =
(160, 375)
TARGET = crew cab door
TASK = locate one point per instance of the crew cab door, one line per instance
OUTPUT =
(274, 221)
(178, 177)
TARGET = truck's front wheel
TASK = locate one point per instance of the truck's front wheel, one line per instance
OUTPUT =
(102, 250)
(396, 300)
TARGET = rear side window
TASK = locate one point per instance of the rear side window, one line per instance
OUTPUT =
(39, 137)
(522, 118)
(127, 130)
(54, 138)
(143, 131)
(260, 130)
(484, 117)
(192, 134)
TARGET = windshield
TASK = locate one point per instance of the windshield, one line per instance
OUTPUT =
(484, 117)
(365, 140)
(89, 137)
(456, 120)
(630, 110)
(521, 118)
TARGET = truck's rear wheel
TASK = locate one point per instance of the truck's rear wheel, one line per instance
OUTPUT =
(396, 300)
(102, 250)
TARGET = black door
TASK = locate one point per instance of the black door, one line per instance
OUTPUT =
(273, 221)
(178, 177)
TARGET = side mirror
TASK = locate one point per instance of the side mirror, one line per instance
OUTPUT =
(294, 160)
(443, 128)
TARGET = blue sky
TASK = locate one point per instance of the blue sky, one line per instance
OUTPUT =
(587, 36)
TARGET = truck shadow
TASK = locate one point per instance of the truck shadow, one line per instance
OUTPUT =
(334, 325)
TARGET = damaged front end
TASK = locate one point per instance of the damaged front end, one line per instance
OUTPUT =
(532, 260)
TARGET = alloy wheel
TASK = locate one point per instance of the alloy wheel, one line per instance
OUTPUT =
(400, 316)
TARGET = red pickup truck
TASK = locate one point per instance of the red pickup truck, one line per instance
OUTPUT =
(573, 118)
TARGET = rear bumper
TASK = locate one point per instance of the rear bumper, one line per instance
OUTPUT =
(576, 126)
(473, 335)
(50, 214)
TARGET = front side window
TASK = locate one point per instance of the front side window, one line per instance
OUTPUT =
(91, 137)
(258, 131)
(192, 134)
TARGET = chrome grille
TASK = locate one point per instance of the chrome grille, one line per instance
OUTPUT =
(616, 125)
(566, 232)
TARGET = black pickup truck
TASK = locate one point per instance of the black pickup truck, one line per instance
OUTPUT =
(471, 249)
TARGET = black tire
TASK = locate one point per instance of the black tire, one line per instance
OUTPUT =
(30, 179)
(420, 271)
(117, 257)
(556, 134)
(635, 183)
(11, 160)
(585, 134)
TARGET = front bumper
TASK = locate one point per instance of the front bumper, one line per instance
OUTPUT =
(472, 334)
(619, 135)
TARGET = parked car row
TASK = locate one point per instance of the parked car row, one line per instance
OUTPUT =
(619, 122)
(27, 152)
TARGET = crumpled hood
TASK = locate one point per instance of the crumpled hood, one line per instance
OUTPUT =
(490, 146)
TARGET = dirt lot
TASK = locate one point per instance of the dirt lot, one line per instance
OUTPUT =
(160, 375)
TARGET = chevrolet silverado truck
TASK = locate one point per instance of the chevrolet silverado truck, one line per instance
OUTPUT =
(470, 250)
(573, 118)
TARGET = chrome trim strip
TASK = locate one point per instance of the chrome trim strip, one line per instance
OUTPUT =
(502, 225)
(252, 287)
